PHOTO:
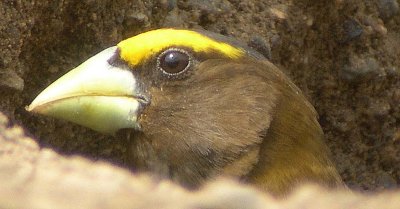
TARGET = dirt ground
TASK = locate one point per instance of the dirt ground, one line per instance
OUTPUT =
(344, 55)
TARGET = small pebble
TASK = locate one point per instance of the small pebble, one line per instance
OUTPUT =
(381, 29)
(9, 79)
(280, 15)
(276, 40)
(173, 20)
(351, 30)
(360, 69)
(259, 44)
(94, 16)
(388, 9)
(210, 7)
(387, 181)
(379, 109)
(374, 25)
(310, 22)
(53, 69)
(392, 71)
(136, 19)
(168, 5)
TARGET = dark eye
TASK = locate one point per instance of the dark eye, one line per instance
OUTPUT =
(174, 61)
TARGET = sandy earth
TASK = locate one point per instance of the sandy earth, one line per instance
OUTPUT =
(344, 55)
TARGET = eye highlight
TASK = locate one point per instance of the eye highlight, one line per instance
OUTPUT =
(174, 61)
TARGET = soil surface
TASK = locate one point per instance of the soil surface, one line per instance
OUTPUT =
(344, 55)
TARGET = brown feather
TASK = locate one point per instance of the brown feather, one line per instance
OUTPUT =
(293, 150)
(242, 118)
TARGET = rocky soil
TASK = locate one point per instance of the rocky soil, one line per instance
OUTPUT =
(343, 54)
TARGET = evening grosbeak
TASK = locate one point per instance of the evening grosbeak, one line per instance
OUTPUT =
(199, 105)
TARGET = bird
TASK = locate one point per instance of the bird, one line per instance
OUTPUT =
(198, 105)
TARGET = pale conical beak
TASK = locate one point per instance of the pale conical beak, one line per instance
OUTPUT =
(95, 94)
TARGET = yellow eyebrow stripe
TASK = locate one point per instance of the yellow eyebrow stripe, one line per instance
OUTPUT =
(140, 48)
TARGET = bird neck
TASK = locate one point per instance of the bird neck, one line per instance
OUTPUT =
(293, 150)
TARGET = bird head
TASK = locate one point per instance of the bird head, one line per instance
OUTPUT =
(198, 104)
